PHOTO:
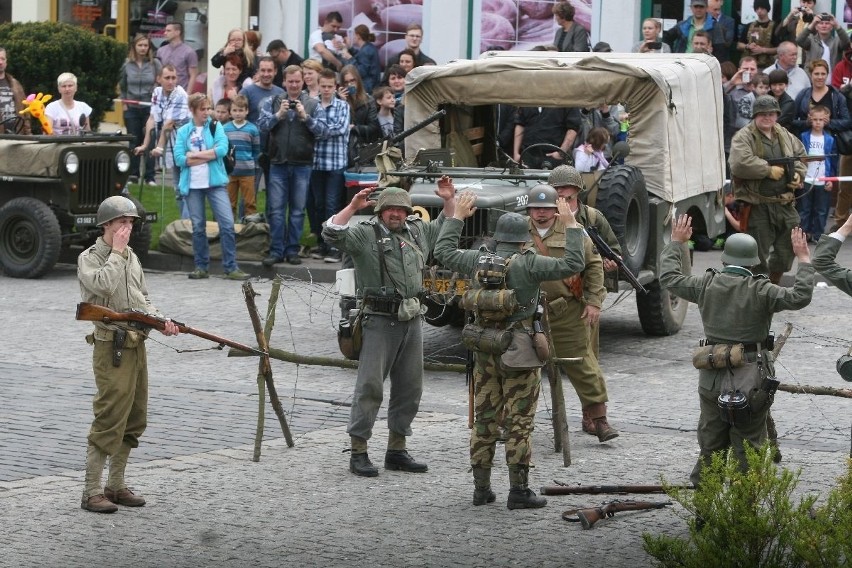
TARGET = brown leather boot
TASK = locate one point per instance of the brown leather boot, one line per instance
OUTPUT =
(604, 431)
(98, 504)
(124, 497)
(588, 424)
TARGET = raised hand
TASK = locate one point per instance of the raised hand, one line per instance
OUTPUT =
(563, 209)
(465, 205)
(682, 229)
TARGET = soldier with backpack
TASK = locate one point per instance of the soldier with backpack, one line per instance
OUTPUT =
(507, 358)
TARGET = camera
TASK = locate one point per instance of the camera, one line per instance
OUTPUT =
(292, 105)
(825, 16)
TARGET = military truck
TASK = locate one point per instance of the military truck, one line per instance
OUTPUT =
(50, 189)
(675, 163)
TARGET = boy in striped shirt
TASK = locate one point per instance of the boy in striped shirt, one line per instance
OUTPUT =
(245, 137)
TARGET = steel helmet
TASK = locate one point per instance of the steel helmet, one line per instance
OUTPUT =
(512, 228)
(115, 207)
(565, 175)
(765, 103)
(393, 197)
(542, 195)
(740, 250)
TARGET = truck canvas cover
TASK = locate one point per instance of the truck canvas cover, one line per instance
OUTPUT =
(674, 101)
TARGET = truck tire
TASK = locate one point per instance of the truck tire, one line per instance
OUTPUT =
(660, 312)
(140, 237)
(623, 200)
(30, 238)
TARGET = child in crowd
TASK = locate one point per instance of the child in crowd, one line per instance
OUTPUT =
(245, 137)
(814, 199)
(778, 81)
(759, 86)
(386, 103)
(222, 111)
(589, 157)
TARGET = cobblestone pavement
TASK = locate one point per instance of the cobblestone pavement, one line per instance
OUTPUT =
(209, 504)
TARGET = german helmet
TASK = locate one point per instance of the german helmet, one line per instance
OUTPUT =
(393, 197)
(740, 250)
(512, 228)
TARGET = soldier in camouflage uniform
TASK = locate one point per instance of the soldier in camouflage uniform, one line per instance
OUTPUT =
(574, 305)
(736, 307)
(496, 386)
(389, 253)
(767, 190)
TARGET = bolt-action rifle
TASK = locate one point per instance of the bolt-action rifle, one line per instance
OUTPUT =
(565, 489)
(605, 251)
(138, 319)
(588, 517)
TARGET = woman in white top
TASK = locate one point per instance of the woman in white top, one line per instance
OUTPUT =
(67, 115)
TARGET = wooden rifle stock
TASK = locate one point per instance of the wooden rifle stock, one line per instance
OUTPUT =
(607, 489)
(94, 312)
(588, 517)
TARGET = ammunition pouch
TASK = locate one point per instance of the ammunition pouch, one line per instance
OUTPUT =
(490, 305)
(383, 304)
(486, 339)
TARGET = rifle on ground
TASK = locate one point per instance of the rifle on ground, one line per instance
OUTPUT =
(565, 489)
(141, 320)
(789, 164)
(588, 517)
(368, 153)
(605, 251)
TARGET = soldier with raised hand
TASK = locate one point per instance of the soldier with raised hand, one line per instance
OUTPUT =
(506, 377)
(389, 253)
(110, 275)
(574, 307)
(825, 257)
(736, 373)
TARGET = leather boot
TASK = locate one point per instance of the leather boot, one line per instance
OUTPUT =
(117, 465)
(400, 460)
(93, 499)
(482, 493)
(604, 431)
(124, 497)
(520, 495)
(360, 464)
(588, 423)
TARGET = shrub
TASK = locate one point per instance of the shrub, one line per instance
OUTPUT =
(750, 520)
(40, 51)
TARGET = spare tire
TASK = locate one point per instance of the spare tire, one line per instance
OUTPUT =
(623, 200)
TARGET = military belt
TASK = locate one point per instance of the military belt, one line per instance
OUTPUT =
(747, 347)
(382, 305)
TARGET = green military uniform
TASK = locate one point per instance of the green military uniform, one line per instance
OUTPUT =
(570, 334)
(496, 387)
(773, 210)
(824, 262)
(736, 306)
(393, 340)
(121, 403)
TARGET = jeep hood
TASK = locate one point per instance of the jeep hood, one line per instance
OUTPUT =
(674, 101)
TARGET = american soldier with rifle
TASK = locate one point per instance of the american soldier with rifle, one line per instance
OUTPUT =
(110, 275)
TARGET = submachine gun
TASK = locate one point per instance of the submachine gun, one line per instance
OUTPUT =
(367, 154)
(789, 164)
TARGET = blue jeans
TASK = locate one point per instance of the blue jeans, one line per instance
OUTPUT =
(813, 204)
(220, 203)
(326, 192)
(135, 118)
(286, 191)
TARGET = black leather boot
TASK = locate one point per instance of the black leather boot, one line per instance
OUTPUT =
(360, 464)
(400, 460)
(482, 493)
(520, 495)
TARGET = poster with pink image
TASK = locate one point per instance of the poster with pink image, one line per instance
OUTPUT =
(520, 25)
(387, 19)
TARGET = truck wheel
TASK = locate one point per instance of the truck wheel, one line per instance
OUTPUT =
(140, 237)
(30, 239)
(623, 200)
(660, 312)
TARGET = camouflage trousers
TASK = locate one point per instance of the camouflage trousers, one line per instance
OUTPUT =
(499, 391)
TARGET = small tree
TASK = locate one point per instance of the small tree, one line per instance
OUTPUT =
(39, 52)
(750, 520)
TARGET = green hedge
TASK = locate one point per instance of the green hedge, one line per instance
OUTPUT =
(38, 52)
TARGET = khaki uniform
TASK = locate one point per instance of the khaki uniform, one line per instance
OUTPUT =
(395, 346)
(773, 207)
(567, 299)
(736, 307)
(496, 387)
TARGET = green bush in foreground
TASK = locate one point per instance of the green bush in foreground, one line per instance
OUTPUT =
(751, 522)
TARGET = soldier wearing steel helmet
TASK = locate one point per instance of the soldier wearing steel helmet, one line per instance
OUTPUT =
(500, 383)
(574, 305)
(389, 253)
(110, 275)
(767, 191)
(736, 308)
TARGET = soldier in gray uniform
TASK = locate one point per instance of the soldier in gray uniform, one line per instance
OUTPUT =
(389, 253)
(110, 275)
(500, 382)
(736, 374)
(826, 253)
